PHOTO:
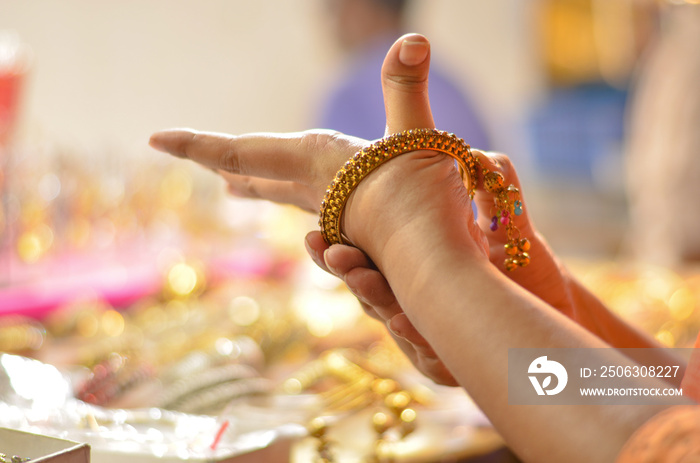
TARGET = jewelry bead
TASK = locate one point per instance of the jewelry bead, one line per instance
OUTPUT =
(384, 386)
(408, 422)
(398, 401)
(518, 207)
(493, 182)
(524, 245)
(381, 422)
(511, 249)
(318, 427)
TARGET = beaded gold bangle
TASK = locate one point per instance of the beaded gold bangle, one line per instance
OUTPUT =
(507, 199)
(373, 156)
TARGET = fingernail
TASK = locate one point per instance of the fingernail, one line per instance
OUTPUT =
(155, 143)
(392, 330)
(314, 255)
(356, 293)
(413, 53)
(233, 191)
(332, 269)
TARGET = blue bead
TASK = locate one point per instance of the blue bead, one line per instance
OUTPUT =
(518, 207)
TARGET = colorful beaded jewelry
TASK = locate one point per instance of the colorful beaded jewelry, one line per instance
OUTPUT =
(507, 200)
(508, 204)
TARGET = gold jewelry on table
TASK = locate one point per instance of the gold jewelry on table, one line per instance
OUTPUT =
(112, 377)
(213, 400)
(21, 334)
(318, 429)
(210, 390)
(4, 458)
(366, 160)
(358, 389)
(200, 380)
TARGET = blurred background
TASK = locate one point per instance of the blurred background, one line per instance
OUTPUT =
(546, 81)
(595, 101)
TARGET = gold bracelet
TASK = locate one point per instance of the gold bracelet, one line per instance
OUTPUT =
(507, 200)
(376, 154)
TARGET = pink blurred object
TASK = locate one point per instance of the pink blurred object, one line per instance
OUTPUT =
(119, 277)
(15, 58)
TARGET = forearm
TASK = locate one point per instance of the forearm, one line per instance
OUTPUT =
(471, 315)
(577, 302)
(592, 314)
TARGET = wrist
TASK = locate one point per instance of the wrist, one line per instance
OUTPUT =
(420, 142)
(411, 261)
(409, 209)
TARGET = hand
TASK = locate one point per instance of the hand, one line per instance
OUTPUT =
(292, 168)
(379, 302)
(296, 169)
(544, 277)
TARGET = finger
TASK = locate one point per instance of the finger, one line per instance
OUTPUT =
(369, 310)
(363, 280)
(371, 287)
(431, 367)
(484, 200)
(340, 259)
(267, 155)
(405, 84)
(401, 326)
(435, 369)
(278, 191)
(316, 246)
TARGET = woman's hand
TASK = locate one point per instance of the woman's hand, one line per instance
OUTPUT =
(379, 302)
(290, 168)
(296, 169)
(545, 277)
(416, 193)
(418, 189)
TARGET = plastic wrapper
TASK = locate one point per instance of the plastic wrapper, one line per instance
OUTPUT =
(37, 397)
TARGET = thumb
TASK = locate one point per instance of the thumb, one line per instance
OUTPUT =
(405, 84)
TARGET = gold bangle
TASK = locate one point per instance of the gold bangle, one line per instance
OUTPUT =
(507, 199)
(376, 154)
